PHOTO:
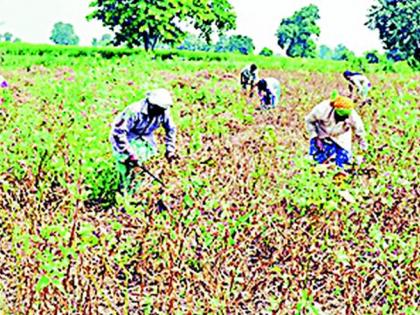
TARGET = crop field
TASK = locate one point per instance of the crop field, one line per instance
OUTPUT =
(246, 223)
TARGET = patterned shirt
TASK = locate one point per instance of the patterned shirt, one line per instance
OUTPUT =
(248, 76)
(272, 95)
(321, 123)
(136, 123)
(360, 81)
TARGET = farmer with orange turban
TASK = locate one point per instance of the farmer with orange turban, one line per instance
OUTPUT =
(330, 125)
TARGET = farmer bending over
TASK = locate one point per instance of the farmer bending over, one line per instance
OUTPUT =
(132, 132)
(330, 126)
(249, 76)
(3, 94)
(360, 82)
(269, 92)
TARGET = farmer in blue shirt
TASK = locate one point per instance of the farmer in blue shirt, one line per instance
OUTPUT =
(132, 132)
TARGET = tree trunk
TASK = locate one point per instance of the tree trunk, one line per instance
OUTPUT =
(146, 41)
(155, 41)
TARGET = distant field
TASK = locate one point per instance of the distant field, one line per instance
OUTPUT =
(246, 225)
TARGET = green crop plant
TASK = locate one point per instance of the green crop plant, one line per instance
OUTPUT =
(246, 221)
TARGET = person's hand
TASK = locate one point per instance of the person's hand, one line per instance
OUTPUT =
(319, 144)
(170, 156)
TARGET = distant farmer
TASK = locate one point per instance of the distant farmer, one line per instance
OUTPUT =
(3, 82)
(3, 95)
(330, 126)
(249, 76)
(132, 132)
(269, 92)
(358, 81)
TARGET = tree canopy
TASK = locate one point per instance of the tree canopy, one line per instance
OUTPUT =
(295, 34)
(105, 40)
(147, 22)
(63, 34)
(341, 52)
(266, 52)
(235, 43)
(372, 56)
(398, 22)
(325, 52)
(9, 37)
(194, 43)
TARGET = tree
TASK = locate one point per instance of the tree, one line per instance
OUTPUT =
(325, 52)
(194, 43)
(63, 34)
(235, 43)
(296, 32)
(266, 52)
(105, 40)
(372, 56)
(341, 52)
(147, 22)
(7, 37)
(398, 22)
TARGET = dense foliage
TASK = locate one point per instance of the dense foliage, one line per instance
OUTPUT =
(144, 22)
(9, 37)
(341, 52)
(296, 33)
(63, 34)
(246, 223)
(372, 56)
(194, 43)
(235, 43)
(105, 40)
(398, 22)
(325, 52)
(266, 52)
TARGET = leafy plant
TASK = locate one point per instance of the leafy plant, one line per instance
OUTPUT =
(295, 34)
(246, 223)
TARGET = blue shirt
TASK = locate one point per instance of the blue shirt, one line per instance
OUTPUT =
(135, 123)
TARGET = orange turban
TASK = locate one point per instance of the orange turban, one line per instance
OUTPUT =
(342, 102)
